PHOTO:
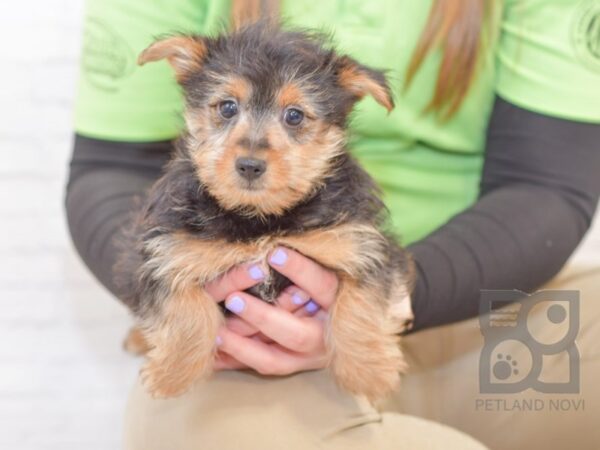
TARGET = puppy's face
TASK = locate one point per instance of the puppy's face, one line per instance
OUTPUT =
(266, 112)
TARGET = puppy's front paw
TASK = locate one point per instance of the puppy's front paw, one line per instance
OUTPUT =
(183, 344)
(163, 379)
(373, 371)
(161, 384)
(174, 374)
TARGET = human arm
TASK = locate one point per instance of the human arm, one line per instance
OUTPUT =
(539, 190)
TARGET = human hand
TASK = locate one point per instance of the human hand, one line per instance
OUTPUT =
(281, 339)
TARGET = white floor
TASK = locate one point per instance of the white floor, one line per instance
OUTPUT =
(63, 376)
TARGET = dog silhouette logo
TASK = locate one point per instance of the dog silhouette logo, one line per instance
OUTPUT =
(524, 335)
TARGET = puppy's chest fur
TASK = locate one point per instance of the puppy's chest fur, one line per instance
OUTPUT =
(180, 259)
(205, 259)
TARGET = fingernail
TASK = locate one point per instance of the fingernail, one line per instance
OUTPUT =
(279, 257)
(256, 273)
(311, 307)
(297, 300)
(219, 341)
(235, 304)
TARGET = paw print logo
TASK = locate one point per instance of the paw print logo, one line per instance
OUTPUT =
(519, 332)
(505, 367)
(505, 370)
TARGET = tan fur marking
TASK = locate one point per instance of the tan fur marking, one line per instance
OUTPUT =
(347, 248)
(290, 94)
(365, 353)
(135, 342)
(361, 84)
(187, 261)
(183, 342)
(182, 336)
(184, 53)
(238, 88)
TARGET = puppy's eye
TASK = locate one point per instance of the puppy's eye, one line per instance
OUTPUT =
(228, 109)
(293, 117)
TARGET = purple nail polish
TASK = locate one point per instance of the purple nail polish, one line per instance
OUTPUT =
(219, 341)
(235, 304)
(297, 300)
(279, 257)
(311, 307)
(256, 273)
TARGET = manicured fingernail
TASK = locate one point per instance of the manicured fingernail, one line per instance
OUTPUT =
(235, 304)
(297, 300)
(279, 257)
(219, 341)
(256, 273)
(311, 307)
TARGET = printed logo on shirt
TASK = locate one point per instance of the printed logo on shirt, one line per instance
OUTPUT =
(586, 33)
(106, 58)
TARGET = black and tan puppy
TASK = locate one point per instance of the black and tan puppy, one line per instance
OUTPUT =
(263, 163)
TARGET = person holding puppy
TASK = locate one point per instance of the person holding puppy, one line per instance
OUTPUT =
(488, 166)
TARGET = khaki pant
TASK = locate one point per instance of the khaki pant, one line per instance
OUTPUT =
(241, 410)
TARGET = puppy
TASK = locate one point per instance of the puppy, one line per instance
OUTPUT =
(263, 163)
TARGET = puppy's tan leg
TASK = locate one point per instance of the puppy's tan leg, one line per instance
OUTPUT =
(183, 343)
(135, 342)
(365, 354)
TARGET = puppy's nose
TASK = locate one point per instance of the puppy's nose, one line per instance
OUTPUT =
(250, 168)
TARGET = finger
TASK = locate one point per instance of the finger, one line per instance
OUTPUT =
(321, 284)
(291, 299)
(267, 359)
(308, 310)
(239, 278)
(224, 361)
(294, 333)
(321, 315)
(243, 328)
(240, 326)
(263, 338)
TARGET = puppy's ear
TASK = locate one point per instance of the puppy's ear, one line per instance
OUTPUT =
(185, 54)
(362, 80)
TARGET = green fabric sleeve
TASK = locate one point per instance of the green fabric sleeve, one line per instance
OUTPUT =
(549, 57)
(118, 100)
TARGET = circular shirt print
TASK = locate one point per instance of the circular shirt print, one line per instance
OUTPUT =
(106, 57)
(586, 33)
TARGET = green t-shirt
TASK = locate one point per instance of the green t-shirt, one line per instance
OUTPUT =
(543, 55)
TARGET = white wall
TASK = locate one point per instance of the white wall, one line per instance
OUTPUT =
(63, 376)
